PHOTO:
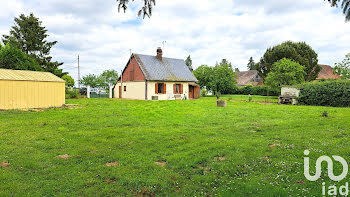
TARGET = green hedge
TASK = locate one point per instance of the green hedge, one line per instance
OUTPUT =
(335, 93)
(257, 90)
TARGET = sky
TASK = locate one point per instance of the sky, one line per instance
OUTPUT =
(207, 30)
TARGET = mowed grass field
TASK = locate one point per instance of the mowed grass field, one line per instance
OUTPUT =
(113, 147)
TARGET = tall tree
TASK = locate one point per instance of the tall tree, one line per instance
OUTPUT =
(343, 68)
(299, 52)
(90, 80)
(345, 5)
(203, 74)
(30, 36)
(285, 72)
(188, 62)
(251, 64)
(109, 77)
(223, 79)
(13, 58)
(146, 10)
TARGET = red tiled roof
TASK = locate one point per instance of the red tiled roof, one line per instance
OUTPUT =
(327, 73)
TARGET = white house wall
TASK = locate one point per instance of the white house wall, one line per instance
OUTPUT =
(136, 90)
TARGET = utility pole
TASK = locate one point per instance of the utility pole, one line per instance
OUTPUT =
(78, 73)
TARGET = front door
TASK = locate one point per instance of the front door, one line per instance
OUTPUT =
(120, 91)
(191, 92)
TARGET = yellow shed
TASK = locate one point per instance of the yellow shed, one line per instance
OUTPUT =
(22, 89)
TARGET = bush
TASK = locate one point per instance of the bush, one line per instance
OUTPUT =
(204, 92)
(258, 90)
(72, 93)
(335, 93)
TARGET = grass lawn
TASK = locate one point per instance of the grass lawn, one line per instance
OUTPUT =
(168, 148)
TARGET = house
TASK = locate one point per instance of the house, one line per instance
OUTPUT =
(22, 89)
(147, 77)
(250, 77)
(327, 72)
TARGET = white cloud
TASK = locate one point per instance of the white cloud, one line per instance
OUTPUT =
(207, 30)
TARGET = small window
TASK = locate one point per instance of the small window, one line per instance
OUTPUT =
(160, 88)
(177, 89)
(124, 88)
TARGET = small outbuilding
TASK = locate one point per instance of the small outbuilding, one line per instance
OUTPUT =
(20, 89)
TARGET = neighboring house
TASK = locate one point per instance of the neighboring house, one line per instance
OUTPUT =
(147, 77)
(250, 77)
(327, 72)
(23, 89)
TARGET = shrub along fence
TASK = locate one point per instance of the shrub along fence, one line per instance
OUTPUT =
(335, 93)
(257, 90)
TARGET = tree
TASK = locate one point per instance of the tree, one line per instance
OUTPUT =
(13, 58)
(223, 79)
(90, 80)
(188, 62)
(203, 74)
(299, 52)
(29, 35)
(345, 5)
(108, 78)
(343, 68)
(146, 10)
(69, 80)
(285, 72)
(251, 64)
(236, 69)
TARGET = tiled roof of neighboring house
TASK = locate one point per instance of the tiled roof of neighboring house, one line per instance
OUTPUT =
(327, 73)
(26, 75)
(245, 77)
(169, 69)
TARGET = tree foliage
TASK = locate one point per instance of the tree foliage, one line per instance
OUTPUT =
(69, 80)
(90, 80)
(203, 73)
(13, 58)
(343, 68)
(188, 62)
(223, 79)
(108, 78)
(345, 5)
(30, 36)
(251, 64)
(146, 10)
(299, 52)
(285, 72)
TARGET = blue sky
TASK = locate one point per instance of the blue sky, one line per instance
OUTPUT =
(205, 29)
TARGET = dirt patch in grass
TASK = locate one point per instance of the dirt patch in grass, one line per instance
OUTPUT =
(300, 182)
(144, 193)
(111, 180)
(203, 167)
(65, 156)
(160, 163)
(223, 158)
(112, 164)
(274, 145)
(4, 164)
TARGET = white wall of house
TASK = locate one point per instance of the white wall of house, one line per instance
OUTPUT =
(136, 90)
(169, 90)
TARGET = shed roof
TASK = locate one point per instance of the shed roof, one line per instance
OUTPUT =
(169, 69)
(244, 77)
(26, 75)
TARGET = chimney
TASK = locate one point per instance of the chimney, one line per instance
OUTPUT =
(159, 53)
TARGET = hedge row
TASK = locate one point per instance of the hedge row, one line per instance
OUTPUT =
(335, 93)
(257, 90)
